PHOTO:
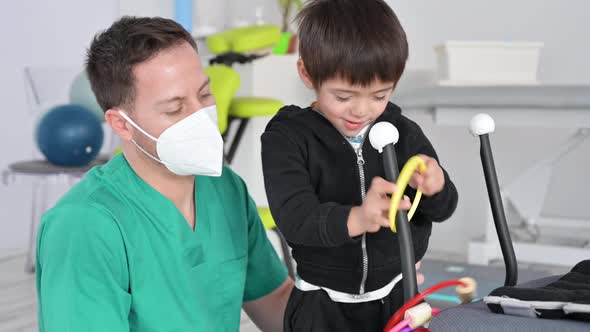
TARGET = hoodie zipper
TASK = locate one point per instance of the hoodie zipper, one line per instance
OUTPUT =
(360, 161)
(361, 165)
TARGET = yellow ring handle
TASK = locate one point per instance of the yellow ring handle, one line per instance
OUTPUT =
(402, 182)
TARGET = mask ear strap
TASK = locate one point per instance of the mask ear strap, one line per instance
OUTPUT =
(147, 153)
(128, 119)
(151, 156)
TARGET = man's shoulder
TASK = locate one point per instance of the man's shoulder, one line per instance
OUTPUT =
(72, 214)
(78, 225)
(92, 202)
(94, 190)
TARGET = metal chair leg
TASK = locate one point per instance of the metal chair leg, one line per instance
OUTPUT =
(30, 263)
(236, 140)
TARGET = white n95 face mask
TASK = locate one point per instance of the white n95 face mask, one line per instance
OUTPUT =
(192, 146)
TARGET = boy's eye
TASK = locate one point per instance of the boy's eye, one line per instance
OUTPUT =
(339, 98)
(380, 97)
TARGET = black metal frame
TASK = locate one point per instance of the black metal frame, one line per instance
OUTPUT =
(487, 161)
(406, 245)
(493, 188)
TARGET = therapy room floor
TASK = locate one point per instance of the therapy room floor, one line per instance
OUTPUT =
(18, 305)
(18, 299)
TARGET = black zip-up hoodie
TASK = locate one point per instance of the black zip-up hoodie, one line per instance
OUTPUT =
(313, 178)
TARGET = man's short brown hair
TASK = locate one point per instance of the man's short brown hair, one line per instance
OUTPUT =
(129, 41)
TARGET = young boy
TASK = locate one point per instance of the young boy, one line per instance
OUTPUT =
(324, 181)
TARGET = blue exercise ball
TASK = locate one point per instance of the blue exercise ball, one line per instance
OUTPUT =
(69, 135)
(81, 94)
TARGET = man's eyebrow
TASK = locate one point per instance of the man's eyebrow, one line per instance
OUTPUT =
(207, 82)
(170, 100)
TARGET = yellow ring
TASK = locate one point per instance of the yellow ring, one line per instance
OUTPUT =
(402, 182)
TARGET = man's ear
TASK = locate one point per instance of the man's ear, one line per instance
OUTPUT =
(119, 125)
(304, 74)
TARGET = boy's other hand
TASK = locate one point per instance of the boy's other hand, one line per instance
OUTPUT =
(419, 276)
(432, 181)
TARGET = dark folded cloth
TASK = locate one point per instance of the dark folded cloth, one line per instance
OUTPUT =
(566, 298)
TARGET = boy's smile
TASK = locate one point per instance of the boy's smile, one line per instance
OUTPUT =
(350, 108)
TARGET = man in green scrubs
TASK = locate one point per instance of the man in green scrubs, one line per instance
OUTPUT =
(161, 238)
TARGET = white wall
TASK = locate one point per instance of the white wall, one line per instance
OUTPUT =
(57, 32)
(229, 13)
(163, 8)
(35, 33)
(218, 14)
(562, 26)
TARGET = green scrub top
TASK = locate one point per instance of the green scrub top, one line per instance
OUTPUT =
(116, 255)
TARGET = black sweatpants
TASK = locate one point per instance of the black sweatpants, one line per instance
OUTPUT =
(315, 311)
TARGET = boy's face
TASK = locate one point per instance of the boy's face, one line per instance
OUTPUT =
(349, 107)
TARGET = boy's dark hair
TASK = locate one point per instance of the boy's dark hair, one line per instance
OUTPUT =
(129, 41)
(355, 40)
